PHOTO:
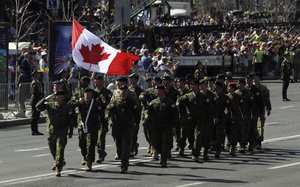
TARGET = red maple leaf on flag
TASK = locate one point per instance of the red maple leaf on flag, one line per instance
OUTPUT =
(94, 55)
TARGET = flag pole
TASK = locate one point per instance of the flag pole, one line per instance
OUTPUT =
(121, 34)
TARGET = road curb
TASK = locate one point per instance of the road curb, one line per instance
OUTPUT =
(18, 122)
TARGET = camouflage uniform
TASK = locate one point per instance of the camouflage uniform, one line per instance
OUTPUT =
(222, 102)
(137, 90)
(104, 95)
(58, 121)
(265, 94)
(259, 111)
(207, 129)
(232, 130)
(162, 118)
(248, 108)
(88, 130)
(123, 114)
(146, 97)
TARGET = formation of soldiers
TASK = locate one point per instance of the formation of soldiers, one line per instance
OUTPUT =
(210, 115)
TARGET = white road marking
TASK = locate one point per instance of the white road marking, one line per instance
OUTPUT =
(48, 154)
(285, 107)
(272, 123)
(295, 93)
(281, 138)
(33, 149)
(50, 175)
(284, 166)
(143, 148)
(191, 184)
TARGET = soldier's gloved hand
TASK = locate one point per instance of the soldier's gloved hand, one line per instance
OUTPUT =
(268, 113)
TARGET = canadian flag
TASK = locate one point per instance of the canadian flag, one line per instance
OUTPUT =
(93, 54)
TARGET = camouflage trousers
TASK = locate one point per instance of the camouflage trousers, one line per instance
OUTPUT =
(218, 135)
(187, 132)
(160, 140)
(101, 141)
(123, 140)
(87, 144)
(244, 132)
(203, 137)
(57, 144)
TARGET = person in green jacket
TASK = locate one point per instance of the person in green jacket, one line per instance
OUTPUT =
(58, 122)
(122, 112)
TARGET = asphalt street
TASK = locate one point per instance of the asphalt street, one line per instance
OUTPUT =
(25, 160)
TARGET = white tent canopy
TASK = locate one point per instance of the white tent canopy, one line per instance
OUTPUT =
(13, 47)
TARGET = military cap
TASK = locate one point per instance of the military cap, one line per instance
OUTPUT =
(221, 76)
(218, 83)
(250, 75)
(213, 79)
(160, 87)
(232, 85)
(98, 77)
(202, 81)
(242, 81)
(59, 93)
(88, 89)
(121, 78)
(35, 71)
(157, 78)
(166, 77)
(133, 75)
(123, 87)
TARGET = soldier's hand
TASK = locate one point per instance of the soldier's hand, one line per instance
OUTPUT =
(268, 113)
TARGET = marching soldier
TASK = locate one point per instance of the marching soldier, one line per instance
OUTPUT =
(146, 97)
(58, 122)
(207, 127)
(104, 95)
(259, 103)
(122, 111)
(36, 90)
(91, 115)
(162, 118)
(248, 110)
(267, 107)
(222, 102)
(172, 94)
(232, 130)
(133, 79)
(117, 94)
(187, 107)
